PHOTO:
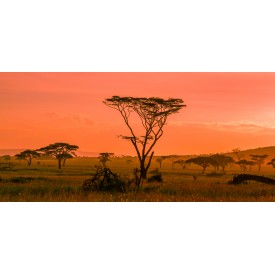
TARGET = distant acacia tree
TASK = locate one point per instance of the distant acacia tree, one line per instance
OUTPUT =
(153, 113)
(28, 155)
(160, 160)
(251, 163)
(104, 157)
(61, 151)
(6, 157)
(222, 161)
(259, 160)
(173, 159)
(272, 163)
(237, 152)
(243, 163)
(181, 162)
(204, 162)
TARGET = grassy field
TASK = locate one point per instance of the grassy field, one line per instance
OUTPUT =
(44, 182)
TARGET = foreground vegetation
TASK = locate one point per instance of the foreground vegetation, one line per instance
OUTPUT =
(45, 182)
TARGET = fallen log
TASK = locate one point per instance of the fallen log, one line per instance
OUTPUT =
(246, 177)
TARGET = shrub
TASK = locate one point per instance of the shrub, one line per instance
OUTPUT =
(157, 177)
(105, 180)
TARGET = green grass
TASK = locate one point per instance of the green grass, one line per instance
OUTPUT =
(45, 182)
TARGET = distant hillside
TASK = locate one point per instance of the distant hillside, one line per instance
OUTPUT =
(245, 154)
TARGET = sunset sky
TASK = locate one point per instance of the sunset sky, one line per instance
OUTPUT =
(224, 110)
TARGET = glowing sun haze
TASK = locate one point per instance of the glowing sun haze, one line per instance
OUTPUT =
(224, 110)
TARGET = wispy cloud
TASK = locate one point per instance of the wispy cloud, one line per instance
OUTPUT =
(78, 118)
(231, 126)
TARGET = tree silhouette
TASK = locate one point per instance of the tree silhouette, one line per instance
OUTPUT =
(160, 160)
(222, 160)
(173, 159)
(153, 113)
(28, 155)
(251, 163)
(104, 157)
(181, 162)
(272, 163)
(6, 157)
(60, 150)
(204, 162)
(243, 163)
(237, 152)
(259, 160)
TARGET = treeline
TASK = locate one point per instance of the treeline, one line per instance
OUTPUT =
(60, 150)
(218, 161)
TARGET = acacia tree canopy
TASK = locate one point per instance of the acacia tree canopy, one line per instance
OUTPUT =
(60, 150)
(222, 160)
(243, 163)
(104, 157)
(259, 160)
(28, 155)
(153, 113)
(272, 163)
(204, 162)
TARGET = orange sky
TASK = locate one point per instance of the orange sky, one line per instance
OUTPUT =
(224, 110)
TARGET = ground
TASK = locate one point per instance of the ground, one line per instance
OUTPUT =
(43, 181)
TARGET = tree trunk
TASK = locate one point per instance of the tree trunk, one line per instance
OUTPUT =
(245, 177)
(143, 171)
(59, 163)
(203, 169)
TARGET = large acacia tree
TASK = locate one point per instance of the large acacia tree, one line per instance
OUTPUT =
(61, 151)
(153, 113)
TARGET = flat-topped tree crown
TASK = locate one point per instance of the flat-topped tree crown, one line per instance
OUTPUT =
(28, 155)
(61, 151)
(153, 113)
(259, 159)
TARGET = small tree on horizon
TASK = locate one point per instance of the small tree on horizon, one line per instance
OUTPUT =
(105, 157)
(153, 113)
(28, 155)
(272, 163)
(160, 160)
(6, 157)
(181, 162)
(237, 152)
(243, 163)
(61, 151)
(259, 160)
(173, 159)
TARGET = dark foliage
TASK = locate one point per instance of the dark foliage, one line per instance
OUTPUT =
(105, 180)
(157, 177)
